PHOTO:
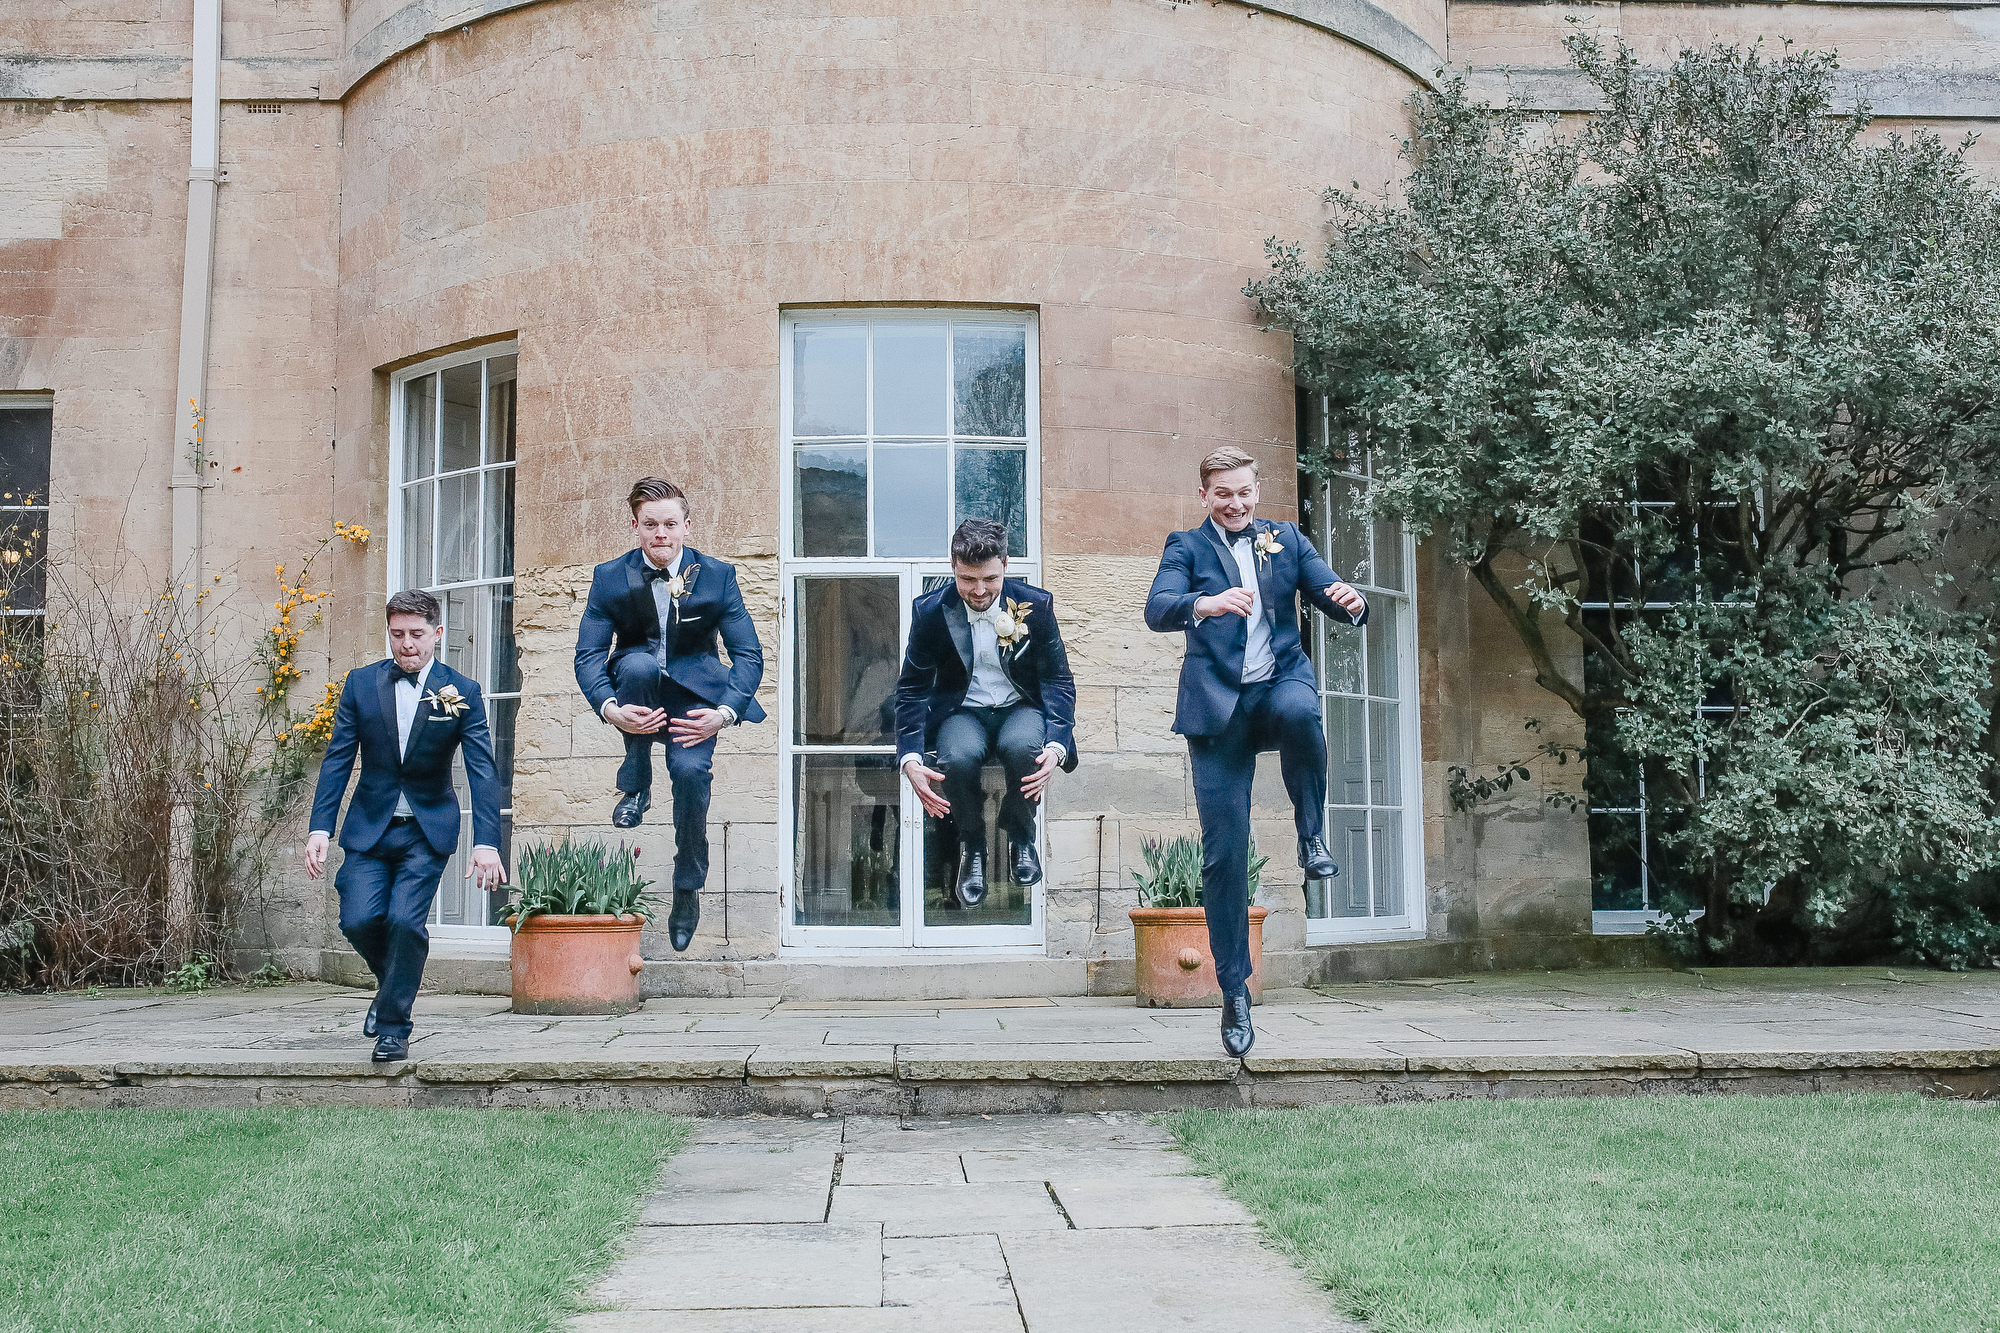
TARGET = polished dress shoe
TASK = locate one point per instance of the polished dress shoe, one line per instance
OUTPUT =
(685, 916)
(972, 879)
(1027, 866)
(1316, 860)
(630, 810)
(368, 1023)
(1237, 1034)
(389, 1049)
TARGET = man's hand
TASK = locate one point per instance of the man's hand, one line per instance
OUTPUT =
(697, 726)
(1033, 784)
(1346, 598)
(1235, 602)
(921, 779)
(316, 856)
(634, 719)
(486, 872)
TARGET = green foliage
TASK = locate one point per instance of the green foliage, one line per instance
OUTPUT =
(583, 878)
(197, 974)
(1705, 384)
(1466, 788)
(1173, 872)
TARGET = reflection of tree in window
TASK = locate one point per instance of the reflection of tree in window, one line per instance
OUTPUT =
(25, 435)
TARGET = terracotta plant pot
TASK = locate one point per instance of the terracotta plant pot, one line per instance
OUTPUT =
(1173, 969)
(577, 964)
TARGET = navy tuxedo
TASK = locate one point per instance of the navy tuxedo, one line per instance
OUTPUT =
(932, 713)
(1228, 722)
(391, 870)
(622, 652)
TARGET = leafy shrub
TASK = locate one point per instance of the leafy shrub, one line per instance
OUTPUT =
(583, 878)
(1174, 872)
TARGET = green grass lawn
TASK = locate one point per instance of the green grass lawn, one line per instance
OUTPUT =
(1681, 1214)
(313, 1219)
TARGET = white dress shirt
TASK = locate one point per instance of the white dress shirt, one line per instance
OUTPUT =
(1259, 662)
(408, 695)
(663, 605)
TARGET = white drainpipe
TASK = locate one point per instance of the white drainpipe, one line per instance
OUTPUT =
(190, 398)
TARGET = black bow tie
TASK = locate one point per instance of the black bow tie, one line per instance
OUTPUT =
(397, 676)
(1238, 538)
(655, 573)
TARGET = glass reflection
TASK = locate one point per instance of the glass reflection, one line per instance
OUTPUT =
(849, 654)
(458, 528)
(993, 483)
(847, 836)
(912, 504)
(830, 379)
(990, 379)
(1383, 614)
(909, 379)
(832, 509)
(500, 410)
(418, 509)
(458, 429)
(1006, 903)
(419, 427)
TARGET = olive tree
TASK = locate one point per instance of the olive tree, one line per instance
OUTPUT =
(1709, 380)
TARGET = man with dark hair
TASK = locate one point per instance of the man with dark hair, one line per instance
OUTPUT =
(1232, 585)
(985, 674)
(646, 659)
(404, 717)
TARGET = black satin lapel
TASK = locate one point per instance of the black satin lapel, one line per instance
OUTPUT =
(640, 593)
(1267, 568)
(956, 619)
(1225, 562)
(385, 704)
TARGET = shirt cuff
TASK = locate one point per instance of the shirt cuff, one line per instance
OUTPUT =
(727, 712)
(1062, 751)
(612, 702)
(320, 833)
(901, 761)
(485, 847)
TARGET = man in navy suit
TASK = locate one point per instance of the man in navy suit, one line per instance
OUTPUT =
(1232, 585)
(985, 673)
(404, 717)
(646, 660)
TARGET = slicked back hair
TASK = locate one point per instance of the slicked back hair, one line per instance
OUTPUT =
(415, 602)
(647, 489)
(1226, 459)
(977, 541)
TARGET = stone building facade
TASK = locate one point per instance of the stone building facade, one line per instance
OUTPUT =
(459, 272)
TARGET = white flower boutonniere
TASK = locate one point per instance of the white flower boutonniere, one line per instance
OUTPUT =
(1010, 625)
(681, 584)
(1266, 545)
(447, 701)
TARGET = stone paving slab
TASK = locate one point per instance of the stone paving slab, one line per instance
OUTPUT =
(1490, 1035)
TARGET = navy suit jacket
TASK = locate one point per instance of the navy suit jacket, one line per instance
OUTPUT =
(364, 725)
(1195, 565)
(937, 668)
(621, 617)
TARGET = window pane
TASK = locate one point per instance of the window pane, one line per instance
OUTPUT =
(417, 507)
(909, 379)
(1006, 903)
(500, 410)
(1615, 880)
(830, 379)
(1386, 861)
(499, 537)
(1346, 752)
(460, 649)
(419, 427)
(993, 483)
(458, 528)
(1385, 778)
(1342, 673)
(24, 454)
(990, 379)
(912, 508)
(1347, 538)
(849, 653)
(1389, 554)
(1347, 838)
(24, 560)
(847, 824)
(460, 427)
(1383, 613)
(505, 652)
(497, 906)
(832, 502)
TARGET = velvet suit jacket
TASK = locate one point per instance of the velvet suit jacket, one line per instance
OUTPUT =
(1195, 565)
(364, 727)
(621, 617)
(937, 668)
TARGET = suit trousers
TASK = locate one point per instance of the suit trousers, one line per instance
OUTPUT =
(385, 896)
(689, 767)
(1281, 715)
(965, 741)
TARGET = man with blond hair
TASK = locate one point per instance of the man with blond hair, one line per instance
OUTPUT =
(1232, 585)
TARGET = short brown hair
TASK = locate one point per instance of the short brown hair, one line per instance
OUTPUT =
(1226, 459)
(977, 541)
(415, 602)
(647, 489)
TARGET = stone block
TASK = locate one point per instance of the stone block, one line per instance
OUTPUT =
(947, 1210)
(1171, 1201)
(771, 1267)
(901, 1168)
(1072, 1164)
(1146, 721)
(1123, 784)
(742, 1182)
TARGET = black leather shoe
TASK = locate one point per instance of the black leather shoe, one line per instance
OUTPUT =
(1027, 866)
(684, 918)
(972, 879)
(1316, 860)
(389, 1049)
(630, 810)
(368, 1023)
(1237, 1034)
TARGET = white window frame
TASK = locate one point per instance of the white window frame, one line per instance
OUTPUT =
(461, 941)
(1413, 922)
(913, 935)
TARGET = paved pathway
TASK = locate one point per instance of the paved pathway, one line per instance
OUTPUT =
(1048, 1224)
